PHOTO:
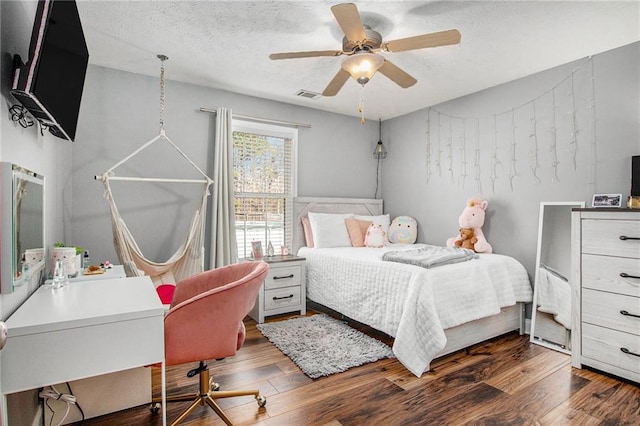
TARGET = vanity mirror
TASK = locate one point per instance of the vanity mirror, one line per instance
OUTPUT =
(23, 254)
(551, 313)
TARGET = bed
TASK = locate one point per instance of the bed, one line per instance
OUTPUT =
(429, 312)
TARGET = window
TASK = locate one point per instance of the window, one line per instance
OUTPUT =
(264, 175)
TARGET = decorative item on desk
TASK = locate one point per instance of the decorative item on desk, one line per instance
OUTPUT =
(60, 278)
(606, 200)
(67, 255)
(86, 262)
(106, 264)
(284, 250)
(256, 250)
(270, 251)
(633, 202)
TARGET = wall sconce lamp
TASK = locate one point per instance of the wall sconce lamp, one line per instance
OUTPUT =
(380, 151)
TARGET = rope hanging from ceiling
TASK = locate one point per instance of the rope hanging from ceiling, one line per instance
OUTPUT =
(531, 127)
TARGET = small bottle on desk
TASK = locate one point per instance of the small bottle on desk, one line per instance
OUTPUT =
(85, 260)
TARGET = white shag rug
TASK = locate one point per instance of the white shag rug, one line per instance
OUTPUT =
(321, 345)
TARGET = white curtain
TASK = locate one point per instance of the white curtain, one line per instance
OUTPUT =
(224, 249)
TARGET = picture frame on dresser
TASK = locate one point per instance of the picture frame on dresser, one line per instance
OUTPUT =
(606, 200)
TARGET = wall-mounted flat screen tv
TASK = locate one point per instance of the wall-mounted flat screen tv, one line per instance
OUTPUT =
(50, 84)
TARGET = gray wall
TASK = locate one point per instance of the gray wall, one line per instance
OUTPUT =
(120, 112)
(512, 223)
(43, 154)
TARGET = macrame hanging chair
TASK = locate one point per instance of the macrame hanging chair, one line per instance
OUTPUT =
(189, 258)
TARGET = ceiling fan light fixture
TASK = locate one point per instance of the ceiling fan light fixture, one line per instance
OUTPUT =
(362, 65)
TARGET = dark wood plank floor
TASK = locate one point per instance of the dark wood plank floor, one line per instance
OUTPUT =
(505, 381)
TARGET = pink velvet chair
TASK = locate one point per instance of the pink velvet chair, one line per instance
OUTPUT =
(205, 322)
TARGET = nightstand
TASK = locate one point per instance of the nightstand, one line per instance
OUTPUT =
(284, 289)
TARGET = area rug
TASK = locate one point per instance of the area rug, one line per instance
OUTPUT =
(321, 345)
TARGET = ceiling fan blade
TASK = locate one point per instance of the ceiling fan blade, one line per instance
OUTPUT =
(336, 84)
(311, 54)
(442, 38)
(349, 20)
(397, 75)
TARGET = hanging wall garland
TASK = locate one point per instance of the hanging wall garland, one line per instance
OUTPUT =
(448, 133)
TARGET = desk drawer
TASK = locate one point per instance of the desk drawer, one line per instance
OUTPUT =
(281, 298)
(287, 276)
(603, 273)
(604, 345)
(604, 309)
(603, 237)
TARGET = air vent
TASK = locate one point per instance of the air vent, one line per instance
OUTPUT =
(308, 94)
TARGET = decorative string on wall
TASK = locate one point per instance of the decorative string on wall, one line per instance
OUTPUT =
(428, 146)
(450, 151)
(594, 146)
(495, 162)
(463, 152)
(536, 132)
(513, 172)
(476, 164)
(533, 151)
(553, 146)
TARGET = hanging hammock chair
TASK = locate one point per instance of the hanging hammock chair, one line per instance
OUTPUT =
(189, 258)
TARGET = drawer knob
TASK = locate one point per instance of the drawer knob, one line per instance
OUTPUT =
(283, 297)
(628, 314)
(624, 238)
(628, 352)
(625, 275)
(283, 277)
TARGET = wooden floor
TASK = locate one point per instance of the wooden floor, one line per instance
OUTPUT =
(505, 381)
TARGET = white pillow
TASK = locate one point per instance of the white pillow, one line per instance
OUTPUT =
(329, 229)
(382, 220)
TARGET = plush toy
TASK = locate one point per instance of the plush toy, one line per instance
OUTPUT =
(467, 239)
(403, 230)
(375, 236)
(473, 217)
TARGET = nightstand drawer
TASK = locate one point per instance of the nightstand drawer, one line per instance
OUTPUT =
(286, 276)
(604, 345)
(281, 298)
(603, 237)
(603, 273)
(611, 310)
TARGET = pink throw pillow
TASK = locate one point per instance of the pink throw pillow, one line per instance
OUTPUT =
(357, 230)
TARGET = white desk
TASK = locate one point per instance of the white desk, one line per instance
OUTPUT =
(81, 330)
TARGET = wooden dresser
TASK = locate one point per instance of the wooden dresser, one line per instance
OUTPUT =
(606, 290)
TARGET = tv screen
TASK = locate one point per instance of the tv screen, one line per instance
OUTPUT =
(50, 84)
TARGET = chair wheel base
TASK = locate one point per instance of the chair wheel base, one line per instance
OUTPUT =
(155, 408)
(213, 385)
(261, 400)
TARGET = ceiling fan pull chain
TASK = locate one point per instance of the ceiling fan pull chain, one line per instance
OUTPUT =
(361, 106)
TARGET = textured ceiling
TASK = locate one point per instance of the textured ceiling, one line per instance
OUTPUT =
(226, 44)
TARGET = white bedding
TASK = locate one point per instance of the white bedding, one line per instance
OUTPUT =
(410, 303)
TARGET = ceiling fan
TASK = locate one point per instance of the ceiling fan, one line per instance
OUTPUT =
(361, 45)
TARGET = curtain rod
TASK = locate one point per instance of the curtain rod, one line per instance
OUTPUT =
(142, 179)
(261, 120)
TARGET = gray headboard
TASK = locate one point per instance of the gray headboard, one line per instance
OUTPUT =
(303, 205)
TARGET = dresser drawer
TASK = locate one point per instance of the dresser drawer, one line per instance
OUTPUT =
(604, 309)
(283, 277)
(281, 298)
(603, 273)
(603, 237)
(604, 345)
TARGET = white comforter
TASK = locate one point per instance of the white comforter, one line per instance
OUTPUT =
(412, 304)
